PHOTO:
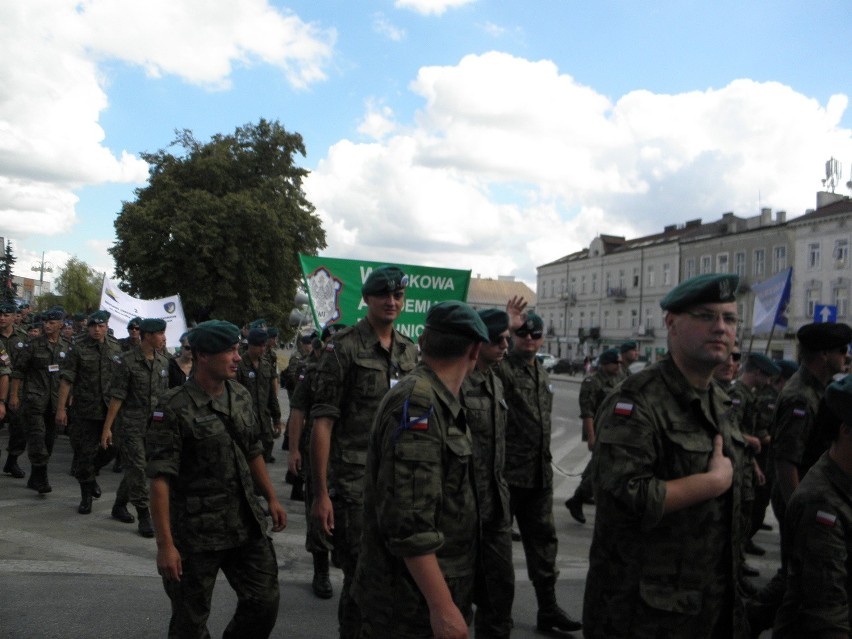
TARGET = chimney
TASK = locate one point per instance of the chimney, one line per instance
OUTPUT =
(765, 216)
(780, 217)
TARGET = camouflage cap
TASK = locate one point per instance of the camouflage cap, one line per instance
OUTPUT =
(99, 317)
(762, 363)
(383, 280)
(213, 336)
(135, 322)
(496, 321)
(710, 288)
(609, 356)
(152, 325)
(457, 318)
(8, 307)
(629, 345)
(787, 367)
(838, 396)
(257, 337)
(824, 337)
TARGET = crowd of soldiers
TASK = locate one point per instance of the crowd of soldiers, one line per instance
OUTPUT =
(416, 459)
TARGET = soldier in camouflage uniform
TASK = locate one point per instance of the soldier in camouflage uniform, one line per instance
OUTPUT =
(529, 395)
(12, 339)
(88, 371)
(204, 462)
(668, 478)
(486, 411)
(593, 391)
(418, 553)
(140, 378)
(819, 536)
(298, 361)
(357, 368)
(628, 353)
(258, 376)
(134, 335)
(37, 366)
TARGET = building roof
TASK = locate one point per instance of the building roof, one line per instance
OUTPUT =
(841, 207)
(487, 293)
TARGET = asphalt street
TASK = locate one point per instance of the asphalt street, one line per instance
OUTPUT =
(83, 576)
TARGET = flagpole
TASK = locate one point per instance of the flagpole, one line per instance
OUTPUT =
(769, 341)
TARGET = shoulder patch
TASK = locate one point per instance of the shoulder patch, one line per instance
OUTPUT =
(624, 409)
(418, 422)
(329, 348)
(588, 379)
(826, 519)
(157, 416)
(800, 413)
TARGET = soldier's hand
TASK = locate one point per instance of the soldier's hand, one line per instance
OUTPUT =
(720, 467)
(294, 463)
(278, 514)
(2, 411)
(14, 403)
(61, 418)
(752, 441)
(515, 308)
(277, 429)
(323, 514)
(169, 564)
(106, 438)
(448, 623)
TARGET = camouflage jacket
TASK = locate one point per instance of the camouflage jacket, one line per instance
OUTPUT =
(419, 498)
(353, 375)
(37, 363)
(793, 421)
(594, 389)
(260, 383)
(89, 367)
(139, 383)
(295, 366)
(486, 411)
(529, 394)
(764, 409)
(14, 343)
(203, 445)
(818, 527)
(303, 398)
(653, 573)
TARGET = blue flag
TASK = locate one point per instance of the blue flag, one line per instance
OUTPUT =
(771, 298)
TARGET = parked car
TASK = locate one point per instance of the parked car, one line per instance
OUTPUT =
(567, 366)
(547, 360)
(637, 366)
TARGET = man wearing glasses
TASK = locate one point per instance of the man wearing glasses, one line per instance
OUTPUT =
(668, 475)
(134, 334)
(529, 395)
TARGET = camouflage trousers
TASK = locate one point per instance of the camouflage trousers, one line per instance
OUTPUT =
(17, 433)
(134, 484)
(252, 571)
(90, 456)
(40, 426)
(494, 588)
(348, 524)
(585, 490)
(532, 508)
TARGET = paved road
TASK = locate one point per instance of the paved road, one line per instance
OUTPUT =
(72, 576)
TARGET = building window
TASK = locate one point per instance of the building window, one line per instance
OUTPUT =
(582, 319)
(690, 268)
(649, 318)
(582, 283)
(594, 282)
(841, 300)
(706, 264)
(651, 278)
(606, 319)
(621, 278)
(841, 252)
(811, 302)
(740, 264)
(779, 259)
(608, 277)
(570, 320)
(667, 274)
(813, 256)
(759, 262)
(634, 318)
(722, 263)
(635, 276)
(593, 317)
(619, 315)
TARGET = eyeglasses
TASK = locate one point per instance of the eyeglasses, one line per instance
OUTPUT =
(134, 328)
(522, 333)
(498, 341)
(709, 317)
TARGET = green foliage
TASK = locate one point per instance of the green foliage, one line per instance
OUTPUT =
(222, 225)
(79, 286)
(8, 289)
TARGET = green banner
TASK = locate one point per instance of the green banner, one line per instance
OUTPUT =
(334, 288)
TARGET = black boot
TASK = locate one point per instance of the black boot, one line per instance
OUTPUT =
(117, 467)
(96, 489)
(120, 512)
(575, 507)
(85, 507)
(12, 468)
(550, 616)
(146, 526)
(39, 478)
(321, 584)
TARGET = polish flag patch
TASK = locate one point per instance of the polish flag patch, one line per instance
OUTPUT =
(420, 423)
(157, 416)
(625, 409)
(799, 412)
(826, 519)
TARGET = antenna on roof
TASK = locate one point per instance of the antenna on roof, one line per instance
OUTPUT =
(833, 172)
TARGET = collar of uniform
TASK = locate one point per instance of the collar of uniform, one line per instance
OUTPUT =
(443, 393)
(809, 379)
(680, 389)
(835, 474)
(200, 397)
(519, 361)
(370, 338)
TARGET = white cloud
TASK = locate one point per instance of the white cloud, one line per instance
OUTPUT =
(431, 7)
(511, 164)
(386, 28)
(378, 122)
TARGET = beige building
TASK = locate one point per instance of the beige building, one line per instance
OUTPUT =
(488, 293)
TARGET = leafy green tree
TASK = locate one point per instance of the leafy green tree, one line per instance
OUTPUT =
(221, 224)
(79, 286)
(9, 290)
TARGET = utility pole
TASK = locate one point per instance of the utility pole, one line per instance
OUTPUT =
(42, 268)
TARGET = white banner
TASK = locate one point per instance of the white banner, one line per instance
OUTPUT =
(124, 307)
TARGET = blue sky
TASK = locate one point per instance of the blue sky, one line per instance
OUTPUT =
(494, 136)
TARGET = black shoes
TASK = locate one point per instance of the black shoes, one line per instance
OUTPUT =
(12, 468)
(120, 512)
(750, 571)
(146, 526)
(575, 507)
(96, 490)
(321, 585)
(85, 507)
(753, 549)
(38, 480)
(556, 619)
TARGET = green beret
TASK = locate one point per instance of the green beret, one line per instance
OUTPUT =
(330, 330)
(628, 346)
(24, 305)
(135, 322)
(152, 325)
(762, 363)
(457, 318)
(710, 288)
(99, 317)
(8, 307)
(383, 280)
(495, 320)
(787, 367)
(258, 323)
(272, 331)
(824, 337)
(609, 356)
(79, 317)
(533, 323)
(55, 313)
(213, 336)
(838, 396)
(257, 337)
